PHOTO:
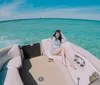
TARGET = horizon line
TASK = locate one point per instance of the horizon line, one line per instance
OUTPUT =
(47, 18)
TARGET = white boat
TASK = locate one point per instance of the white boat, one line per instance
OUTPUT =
(85, 63)
(39, 71)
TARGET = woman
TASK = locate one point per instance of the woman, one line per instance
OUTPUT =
(57, 49)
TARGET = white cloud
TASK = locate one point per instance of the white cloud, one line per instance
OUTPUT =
(77, 13)
(9, 12)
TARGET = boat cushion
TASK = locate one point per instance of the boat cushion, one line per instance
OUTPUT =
(6, 77)
(5, 50)
(14, 51)
(3, 59)
(31, 51)
(15, 62)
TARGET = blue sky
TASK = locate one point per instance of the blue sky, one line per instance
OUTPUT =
(78, 9)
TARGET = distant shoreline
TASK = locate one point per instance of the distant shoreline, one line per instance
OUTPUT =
(47, 18)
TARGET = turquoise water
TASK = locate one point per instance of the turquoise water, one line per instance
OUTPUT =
(84, 33)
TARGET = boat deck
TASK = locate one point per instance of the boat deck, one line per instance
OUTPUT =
(40, 67)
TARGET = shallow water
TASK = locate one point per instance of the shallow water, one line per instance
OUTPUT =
(84, 33)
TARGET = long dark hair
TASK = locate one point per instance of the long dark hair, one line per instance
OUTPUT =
(60, 37)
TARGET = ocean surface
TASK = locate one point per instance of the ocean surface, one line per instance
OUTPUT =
(84, 33)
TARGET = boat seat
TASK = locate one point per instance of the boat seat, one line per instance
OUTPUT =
(10, 62)
(32, 50)
(10, 77)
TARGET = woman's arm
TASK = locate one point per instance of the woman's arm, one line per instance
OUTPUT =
(63, 38)
(53, 42)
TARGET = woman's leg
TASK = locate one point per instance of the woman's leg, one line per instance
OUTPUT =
(69, 59)
(61, 51)
(57, 51)
(63, 57)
